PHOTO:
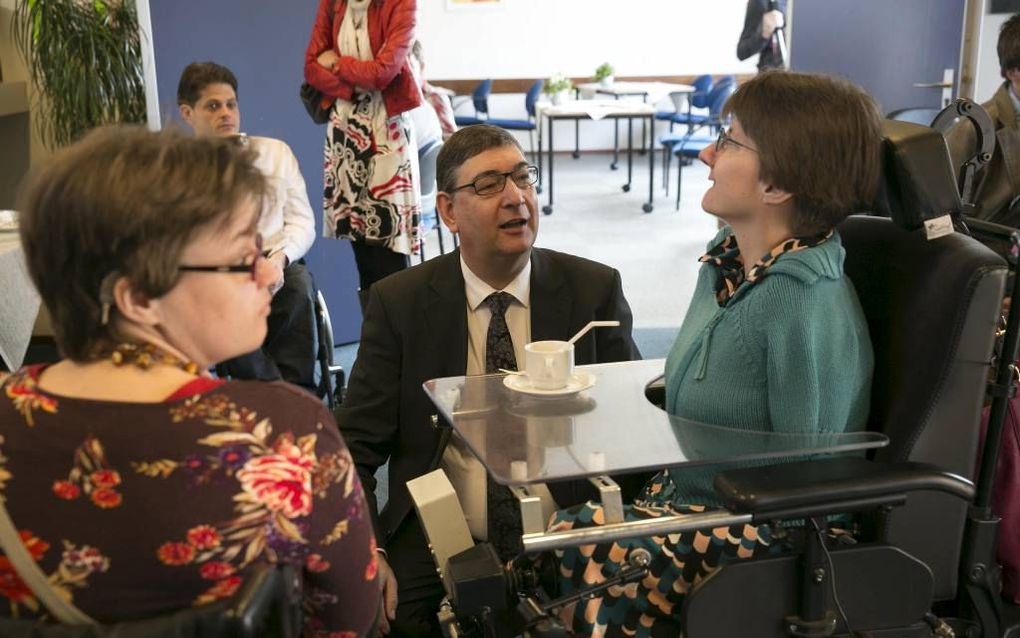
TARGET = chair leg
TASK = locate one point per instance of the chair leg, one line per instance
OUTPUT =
(531, 145)
(679, 179)
(667, 152)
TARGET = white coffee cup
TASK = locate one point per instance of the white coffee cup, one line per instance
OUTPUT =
(549, 364)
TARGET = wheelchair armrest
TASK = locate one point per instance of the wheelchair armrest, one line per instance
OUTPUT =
(267, 603)
(831, 486)
(270, 597)
(655, 391)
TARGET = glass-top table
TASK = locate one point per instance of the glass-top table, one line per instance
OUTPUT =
(609, 428)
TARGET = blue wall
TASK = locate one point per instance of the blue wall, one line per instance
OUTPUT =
(263, 43)
(885, 46)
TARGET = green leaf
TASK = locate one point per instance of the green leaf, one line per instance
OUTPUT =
(85, 63)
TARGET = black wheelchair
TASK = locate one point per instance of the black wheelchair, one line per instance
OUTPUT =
(331, 377)
(923, 563)
(267, 605)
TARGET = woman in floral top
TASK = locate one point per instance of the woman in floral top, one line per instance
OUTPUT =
(140, 485)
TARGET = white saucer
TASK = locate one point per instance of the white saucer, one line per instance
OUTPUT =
(577, 382)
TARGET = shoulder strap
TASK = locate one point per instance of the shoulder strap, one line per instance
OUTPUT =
(34, 577)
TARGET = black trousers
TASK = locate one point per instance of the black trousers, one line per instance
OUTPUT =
(291, 347)
(376, 262)
(419, 590)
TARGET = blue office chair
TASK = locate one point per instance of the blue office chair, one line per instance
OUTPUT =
(531, 124)
(480, 100)
(687, 147)
(696, 121)
(698, 99)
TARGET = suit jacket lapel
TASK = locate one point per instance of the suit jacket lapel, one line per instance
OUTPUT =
(446, 316)
(1004, 111)
(550, 305)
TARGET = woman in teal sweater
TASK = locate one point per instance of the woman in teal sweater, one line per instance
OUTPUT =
(774, 339)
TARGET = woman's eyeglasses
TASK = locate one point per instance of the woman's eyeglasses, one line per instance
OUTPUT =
(492, 183)
(724, 139)
(251, 268)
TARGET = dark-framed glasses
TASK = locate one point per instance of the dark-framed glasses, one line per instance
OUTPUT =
(725, 138)
(252, 269)
(493, 183)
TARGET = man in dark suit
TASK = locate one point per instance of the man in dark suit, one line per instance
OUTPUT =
(437, 320)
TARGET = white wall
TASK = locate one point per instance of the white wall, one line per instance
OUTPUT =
(538, 38)
(988, 77)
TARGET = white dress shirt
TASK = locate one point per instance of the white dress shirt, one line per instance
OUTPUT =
(287, 224)
(466, 473)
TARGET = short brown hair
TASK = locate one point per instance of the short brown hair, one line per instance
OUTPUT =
(124, 201)
(818, 138)
(465, 144)
(198, 75)
(1008, 46)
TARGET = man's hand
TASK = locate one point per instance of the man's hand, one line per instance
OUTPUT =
(388, 604)
(276, 263)
(771, 21)
(328, 59)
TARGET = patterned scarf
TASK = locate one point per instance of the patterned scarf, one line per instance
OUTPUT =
(353, 38)
(729, 262)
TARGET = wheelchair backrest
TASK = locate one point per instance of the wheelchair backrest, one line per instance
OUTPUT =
(931, 307)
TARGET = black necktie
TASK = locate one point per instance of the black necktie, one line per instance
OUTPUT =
(502, 510)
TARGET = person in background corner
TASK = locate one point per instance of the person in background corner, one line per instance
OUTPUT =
(437, 97)
(357, 56)
(761, 20)
(996, 194)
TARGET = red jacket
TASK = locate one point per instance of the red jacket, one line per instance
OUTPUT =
(390, 32)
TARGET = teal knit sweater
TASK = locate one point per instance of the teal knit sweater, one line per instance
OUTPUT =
(788, 354)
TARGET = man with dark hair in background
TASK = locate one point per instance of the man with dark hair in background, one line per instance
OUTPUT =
(762, 20)
(207, 99)
(996, 193)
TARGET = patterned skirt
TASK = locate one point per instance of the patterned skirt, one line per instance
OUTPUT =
(371, 181)
(651, 607)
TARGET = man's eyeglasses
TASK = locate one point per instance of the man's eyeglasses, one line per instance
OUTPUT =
(252, 269)
(724, 139)
(492, 183)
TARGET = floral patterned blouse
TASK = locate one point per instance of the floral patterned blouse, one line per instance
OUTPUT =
(136, 510)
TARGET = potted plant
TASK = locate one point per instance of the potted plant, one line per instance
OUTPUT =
(604, 74)
(557, 87)
(84, 60)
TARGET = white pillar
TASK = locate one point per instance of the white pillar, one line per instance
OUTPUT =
(973, 15)
(148, 65)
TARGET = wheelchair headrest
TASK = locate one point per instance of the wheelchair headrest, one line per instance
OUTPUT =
(918, 181)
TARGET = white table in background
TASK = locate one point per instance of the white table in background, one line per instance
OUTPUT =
(19, 303)
(650, 92)
(594, 110)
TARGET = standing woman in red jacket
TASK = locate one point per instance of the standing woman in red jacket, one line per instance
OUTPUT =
(357, 57)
